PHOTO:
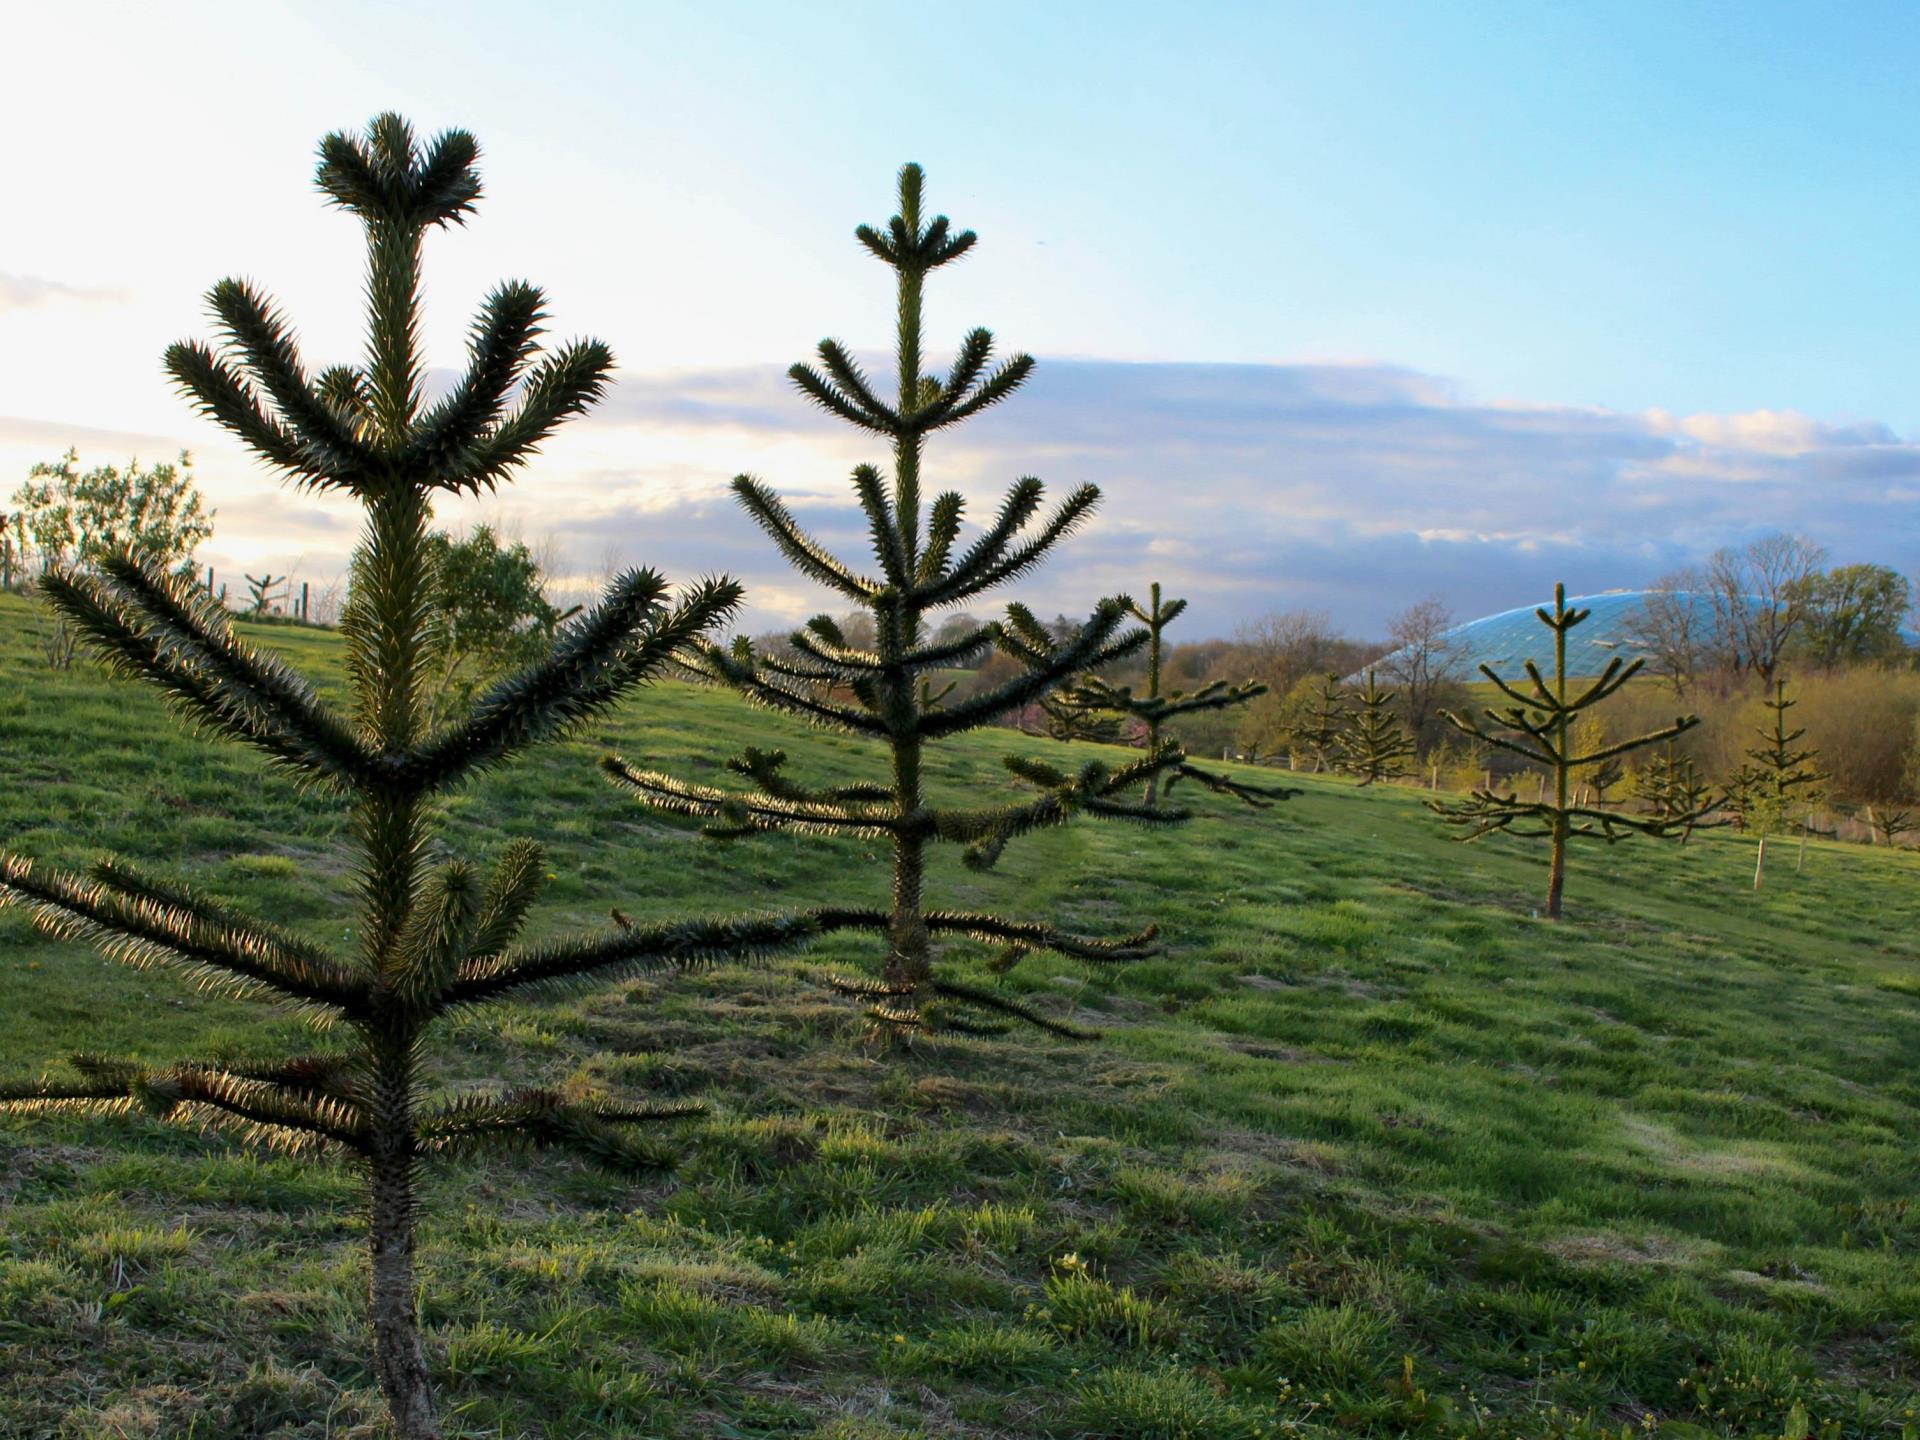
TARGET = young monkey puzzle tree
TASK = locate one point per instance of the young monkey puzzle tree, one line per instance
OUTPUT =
(1539, 728)
(432, 937)
(264, 592)
(1672, 788)
(1373, 745)
(1156, 711)
(1777, 777)
(885, 692)
(1062, 719)
(1319, 732)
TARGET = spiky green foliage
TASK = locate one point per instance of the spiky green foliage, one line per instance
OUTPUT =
(432, 935)
(1319, 732)
(921, 564)
(1373, 743)
(1538, 727)
(1156, 710)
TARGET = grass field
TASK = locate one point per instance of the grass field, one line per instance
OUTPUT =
(1369, 1151)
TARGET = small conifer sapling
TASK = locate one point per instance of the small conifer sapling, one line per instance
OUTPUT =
(1156, 710)
(1373, 743)
(1778, 778)
(1538, 726)
(1671, 787)
(1319, 732)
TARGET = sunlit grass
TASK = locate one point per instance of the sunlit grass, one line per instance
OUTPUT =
(1368, 1150)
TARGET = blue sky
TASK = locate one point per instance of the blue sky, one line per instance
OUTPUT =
(1673, 245)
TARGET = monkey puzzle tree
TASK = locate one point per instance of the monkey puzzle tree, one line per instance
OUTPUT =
(264, 592)
(431, 937)
(1156, 710)
(1538, 727)
(923, 566)
(1372, 743)
(1590, 733)
(1778, 775)
(1320, 730)
(1672, 788)
(1062, 719)
(1888, 823)
(1607, 774)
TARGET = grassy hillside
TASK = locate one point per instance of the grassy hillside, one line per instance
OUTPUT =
(1369, 1151)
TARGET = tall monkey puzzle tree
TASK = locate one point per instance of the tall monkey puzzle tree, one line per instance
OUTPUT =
(1538, 727)
(1373, 744)
(432, 938)
(1156, 710)
(884, 693)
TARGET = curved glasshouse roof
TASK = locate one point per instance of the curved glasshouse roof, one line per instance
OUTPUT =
(1506, 641)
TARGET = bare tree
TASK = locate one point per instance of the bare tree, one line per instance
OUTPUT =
(1284, 647)
(1421, 663)
(1758, 593)
(1674, 628)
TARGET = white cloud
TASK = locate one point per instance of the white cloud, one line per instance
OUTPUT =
(23, 292)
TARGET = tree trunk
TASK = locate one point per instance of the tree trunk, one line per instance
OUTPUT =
(1153, 743)
(1557, 875)
(908, 944)
(399, 1363)
(1760, 863)
(909, 947)
(1154, 624)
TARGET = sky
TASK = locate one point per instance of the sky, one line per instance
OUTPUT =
(1341, 305)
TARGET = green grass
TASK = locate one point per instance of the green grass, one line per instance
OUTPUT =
(1370, 1150)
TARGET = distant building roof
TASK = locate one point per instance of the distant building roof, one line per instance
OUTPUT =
(1506, 641)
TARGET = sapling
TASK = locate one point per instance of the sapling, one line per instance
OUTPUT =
(1373, 744)
(264, 592)
(1779, 776)
(1157, 708)
(1538, 727)
(1320, 730)
(922, 564)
